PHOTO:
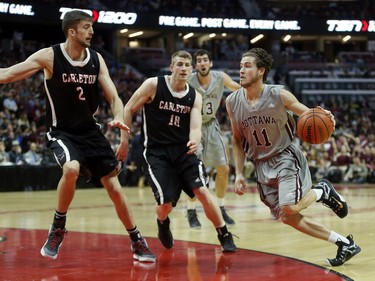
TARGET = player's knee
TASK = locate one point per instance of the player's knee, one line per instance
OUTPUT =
(202, 194)
(163, 210)
(222, 170)
(71, 170)
(289, 210)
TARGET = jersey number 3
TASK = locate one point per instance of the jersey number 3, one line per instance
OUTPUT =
(207, 109)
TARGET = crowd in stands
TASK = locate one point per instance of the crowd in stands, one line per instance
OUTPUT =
(349, 156)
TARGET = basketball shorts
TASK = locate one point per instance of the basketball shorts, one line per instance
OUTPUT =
(212, 149)
(284, 179)
(91, 149)
(170, 170)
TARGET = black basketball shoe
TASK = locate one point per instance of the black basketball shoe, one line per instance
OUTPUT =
(332, 199)
(227, 243)
(193, 219)
(345, 252)
(164, 233)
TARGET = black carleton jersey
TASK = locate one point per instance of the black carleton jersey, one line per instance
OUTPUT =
(166, 120)
(72, 92)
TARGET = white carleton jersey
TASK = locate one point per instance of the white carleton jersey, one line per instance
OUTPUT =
(211, 98)
(267, 128)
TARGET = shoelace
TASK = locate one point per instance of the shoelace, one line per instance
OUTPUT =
(326, 190)
(234, 235)
(142, 247)
(333, 203)
(57, 237)
(341, 253)
(192, 215)
(342, 250)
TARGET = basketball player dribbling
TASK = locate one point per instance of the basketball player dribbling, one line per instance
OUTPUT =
(263, 128)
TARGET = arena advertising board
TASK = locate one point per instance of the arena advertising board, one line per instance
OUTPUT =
(118, 19)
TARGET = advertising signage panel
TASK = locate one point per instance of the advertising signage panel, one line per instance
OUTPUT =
(42, 13)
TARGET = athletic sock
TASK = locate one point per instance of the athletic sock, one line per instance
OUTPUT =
(334, 237)
(220, 201)
(134, 234)
(319, 193)
(222, 230)
(59, 220)
(190, 205)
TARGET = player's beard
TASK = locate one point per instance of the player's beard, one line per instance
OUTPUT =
(85, 43)
(252, 82)
(205, 73)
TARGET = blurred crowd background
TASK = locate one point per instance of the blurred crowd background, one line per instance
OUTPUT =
(348, 156)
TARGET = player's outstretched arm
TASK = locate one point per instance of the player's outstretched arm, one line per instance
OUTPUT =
(41, 59)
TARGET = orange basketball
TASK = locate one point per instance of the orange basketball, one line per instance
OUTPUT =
(315, 126)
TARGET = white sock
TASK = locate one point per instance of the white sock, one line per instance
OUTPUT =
(190, 205)
(221, 201)
(319, 193)
(334, 237)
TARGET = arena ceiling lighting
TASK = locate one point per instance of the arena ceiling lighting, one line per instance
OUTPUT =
(256, 38)
(346, 38)
(287, 38)
(135, 34)
(187, 36)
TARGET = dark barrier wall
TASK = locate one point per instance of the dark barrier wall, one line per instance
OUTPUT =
(27, 178)
(17, 178)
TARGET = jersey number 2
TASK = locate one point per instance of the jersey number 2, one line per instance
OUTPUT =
(81, 96)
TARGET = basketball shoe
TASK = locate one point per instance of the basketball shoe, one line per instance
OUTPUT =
(56, 236)
(227, 243)
(345, 252)
(226, 217)
(141, 252)
(332, 199)
(193, 218)
(164, 233)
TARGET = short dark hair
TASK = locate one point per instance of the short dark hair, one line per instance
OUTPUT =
(72, 18)
(262, 59)
(201, 52)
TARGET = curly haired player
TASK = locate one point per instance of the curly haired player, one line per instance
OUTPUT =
(263, 128)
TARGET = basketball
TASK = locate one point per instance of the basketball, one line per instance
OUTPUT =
(314, 126)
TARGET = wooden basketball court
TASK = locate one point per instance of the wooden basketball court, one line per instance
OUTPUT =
(97, 246)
